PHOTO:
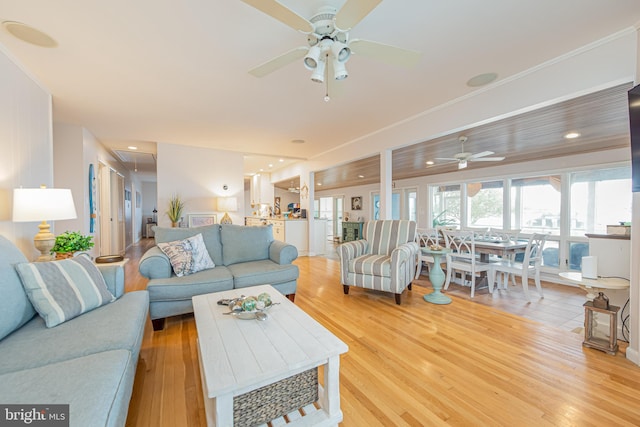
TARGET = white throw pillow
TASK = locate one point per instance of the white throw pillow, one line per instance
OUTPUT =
(187, 256)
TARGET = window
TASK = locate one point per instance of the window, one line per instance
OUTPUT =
(599, 198)
(535, 204)
(445, 205)
(411, 203)
(484, 204)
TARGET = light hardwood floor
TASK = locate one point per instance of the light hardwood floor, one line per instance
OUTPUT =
(418, 364)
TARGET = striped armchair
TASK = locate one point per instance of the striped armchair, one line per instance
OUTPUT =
(384, 260)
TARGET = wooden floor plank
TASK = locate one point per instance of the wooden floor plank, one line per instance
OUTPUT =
(474, 362)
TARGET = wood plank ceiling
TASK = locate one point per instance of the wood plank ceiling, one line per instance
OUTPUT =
(601, 118)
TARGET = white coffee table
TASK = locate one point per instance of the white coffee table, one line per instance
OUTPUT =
(237, 356)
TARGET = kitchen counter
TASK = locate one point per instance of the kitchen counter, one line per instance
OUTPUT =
(292, 231)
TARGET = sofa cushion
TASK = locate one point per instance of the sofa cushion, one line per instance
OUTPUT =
(62, 290)
(187, 256)
(241, 244)
(210, 235)
(119, 325)
(181, 288)
(15, 307)
(263, 272)
(95, 387)
(375, 265)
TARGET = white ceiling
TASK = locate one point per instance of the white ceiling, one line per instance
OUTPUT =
(164, 71)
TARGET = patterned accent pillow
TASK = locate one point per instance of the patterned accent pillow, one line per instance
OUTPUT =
(187, 256)
(62, 290)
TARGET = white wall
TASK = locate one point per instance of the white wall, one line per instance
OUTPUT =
(198, 176)
(75, 148)
(25, 144)
(149, 200)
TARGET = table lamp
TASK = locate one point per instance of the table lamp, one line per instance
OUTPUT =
(227, 204)
(42, 204)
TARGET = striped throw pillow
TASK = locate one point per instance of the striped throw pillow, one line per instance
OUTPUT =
(62, 290)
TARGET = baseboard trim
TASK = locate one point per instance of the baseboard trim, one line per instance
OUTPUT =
(633, 355)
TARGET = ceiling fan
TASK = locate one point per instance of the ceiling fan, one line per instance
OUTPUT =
(293, 189)
(328, 45)
(463, 157)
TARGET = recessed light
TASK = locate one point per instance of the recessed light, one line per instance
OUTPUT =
(270, 165)
(430, 162)
(482, 79)
(261, 170)
(298, 141)
(319, 184)
(360, 176)
(572, 135)
(29, 34)
(132, 147)
(281, 160)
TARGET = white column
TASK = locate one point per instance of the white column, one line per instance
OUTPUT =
(386, 187)
(633, 351)
(306, 202)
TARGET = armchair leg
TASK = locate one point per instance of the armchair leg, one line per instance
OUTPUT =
(409, 286)
(398, 298)
(345, 289)
(158, 324)
(291, 297)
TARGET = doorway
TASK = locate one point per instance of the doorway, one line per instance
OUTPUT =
(111, 212)
(331, 209)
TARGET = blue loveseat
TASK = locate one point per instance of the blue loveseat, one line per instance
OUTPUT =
(243, 257)
(87, 362)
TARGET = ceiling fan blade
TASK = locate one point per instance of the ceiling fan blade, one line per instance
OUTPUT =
(451, 159)
(282, 13)
(482, 154)
(278, 62)
(386, 53)
(487, 159)
(354, 11)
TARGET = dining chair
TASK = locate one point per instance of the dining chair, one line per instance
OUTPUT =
(463, 258)
(479, 232)
(530, 265)
(425, 237)
(506, 235)
(503, 234)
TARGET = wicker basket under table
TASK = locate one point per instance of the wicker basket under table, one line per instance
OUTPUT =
(275, 400)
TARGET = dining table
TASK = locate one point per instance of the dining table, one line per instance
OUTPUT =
(502, 248)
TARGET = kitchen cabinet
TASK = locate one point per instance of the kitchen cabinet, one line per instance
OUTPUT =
(291, 231)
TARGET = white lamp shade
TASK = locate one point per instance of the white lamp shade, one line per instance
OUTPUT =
(42, 204)
(227, 204)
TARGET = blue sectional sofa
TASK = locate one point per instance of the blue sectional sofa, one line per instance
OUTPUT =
(243, 257)
(87, 362)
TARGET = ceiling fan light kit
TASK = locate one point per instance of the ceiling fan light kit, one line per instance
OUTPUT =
(327, 34)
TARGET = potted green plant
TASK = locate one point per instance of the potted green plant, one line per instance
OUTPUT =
(71, 242)
(176, 206)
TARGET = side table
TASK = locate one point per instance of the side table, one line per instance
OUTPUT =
(593, 286)
(436, 276)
